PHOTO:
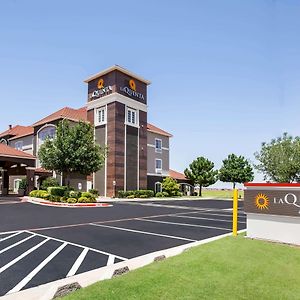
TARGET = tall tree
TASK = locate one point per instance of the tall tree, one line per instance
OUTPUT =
(236, 169)
(201, 171)
(279, 160)
(72, 150)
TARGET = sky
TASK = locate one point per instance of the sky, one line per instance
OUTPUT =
(225, 74)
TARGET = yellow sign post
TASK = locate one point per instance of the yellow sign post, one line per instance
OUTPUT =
(235, 212)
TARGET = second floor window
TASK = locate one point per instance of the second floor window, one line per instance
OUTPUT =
(131, 117)
(158, 145)
(19, 145)
(158, 166)
(101, 116)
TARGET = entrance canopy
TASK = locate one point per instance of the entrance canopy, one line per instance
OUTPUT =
(10, 156)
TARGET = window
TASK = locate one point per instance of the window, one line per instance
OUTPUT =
(158, 145)
(131, 117)
(158, 165)
(3, 141)
(19, 145)
(158, 187)
(47, 132)
(101, 116)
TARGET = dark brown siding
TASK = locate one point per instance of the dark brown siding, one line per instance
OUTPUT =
(131, 157)
(116, 144)
(143, 149)
(100, 175)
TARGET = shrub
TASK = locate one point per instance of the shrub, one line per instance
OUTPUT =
(74, 194)
(87, 195)
(130, 197)
(33, 193)
(136, 194)
(94, 192)
(45, 196)
(170, 186)
(83, 200)
(147, 193)
(57, 190)
(23, 184)
(54, 198)
(160, 195)
(143, 196)
(49, 182)
(72, 200)
(63, 199)
(165, 194)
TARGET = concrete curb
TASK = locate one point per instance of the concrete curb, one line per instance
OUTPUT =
(160, 199)
(39, 201)
(48, 290)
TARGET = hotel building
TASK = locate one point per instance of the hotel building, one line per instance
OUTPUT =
(138, 152)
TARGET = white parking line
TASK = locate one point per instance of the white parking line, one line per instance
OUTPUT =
(213, 214)
(77, 245)
(183, 224)
(144, 232)
(26, 279)
(10, 236)
(16, 244)
(22, 255)
(201, 218)
(111, 260)
(78, 262)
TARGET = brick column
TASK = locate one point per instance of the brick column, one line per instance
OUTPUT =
(5, 182)
(30, 179)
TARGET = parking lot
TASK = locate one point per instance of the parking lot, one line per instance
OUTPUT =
(39, 244)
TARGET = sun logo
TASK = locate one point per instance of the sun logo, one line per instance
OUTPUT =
(132, 84)
(262, 201)
(100, 83)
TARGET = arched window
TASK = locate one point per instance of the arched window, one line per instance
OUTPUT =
(158, 187)
(47, 131)
(3, 141)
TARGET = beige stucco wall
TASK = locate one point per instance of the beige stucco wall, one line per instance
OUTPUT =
(152, 155)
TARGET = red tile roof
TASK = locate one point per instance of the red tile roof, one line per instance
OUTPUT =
(8, 151)
(42, 170)
(17, 131)
(65, 113)
(177, 175)
(157, 130)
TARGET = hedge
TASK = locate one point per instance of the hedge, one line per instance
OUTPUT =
(136, 194)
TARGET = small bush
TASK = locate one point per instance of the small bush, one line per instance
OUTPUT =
(23, 184)
(160, 195)
(63, 199)
(45, 196)
(54, 198)
(49, 182)
(72, 200)
(33, 193)
(94, 192)
(83, 200)
(143, 196)
(74, 194)
(166, 194)
(130, 197)
(57, 190)
(87, 195)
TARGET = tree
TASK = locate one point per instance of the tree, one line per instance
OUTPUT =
(72, 150)
(279, 160)
(201, 171)
(170, 186)
(236, 169)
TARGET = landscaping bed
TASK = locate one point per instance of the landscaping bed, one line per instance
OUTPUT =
(230, 268)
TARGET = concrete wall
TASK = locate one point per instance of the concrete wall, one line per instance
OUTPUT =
(152, 154)
(284, 229)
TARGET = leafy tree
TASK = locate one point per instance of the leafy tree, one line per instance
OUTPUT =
(279, 160)
(49, 182)
(236, 169)
(201, 171)
(170, 186)
(72, 150)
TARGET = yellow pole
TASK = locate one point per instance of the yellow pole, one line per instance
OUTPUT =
(235, 212)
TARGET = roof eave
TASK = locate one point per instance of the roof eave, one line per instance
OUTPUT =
(118, 68)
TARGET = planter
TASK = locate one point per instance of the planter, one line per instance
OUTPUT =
(21, 192)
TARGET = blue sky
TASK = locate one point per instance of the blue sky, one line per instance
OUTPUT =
(225, 74)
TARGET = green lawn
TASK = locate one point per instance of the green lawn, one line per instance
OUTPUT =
(230, 268)
(220, 193)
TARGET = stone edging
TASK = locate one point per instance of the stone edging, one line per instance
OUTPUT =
(48, 290)
(39, 201)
